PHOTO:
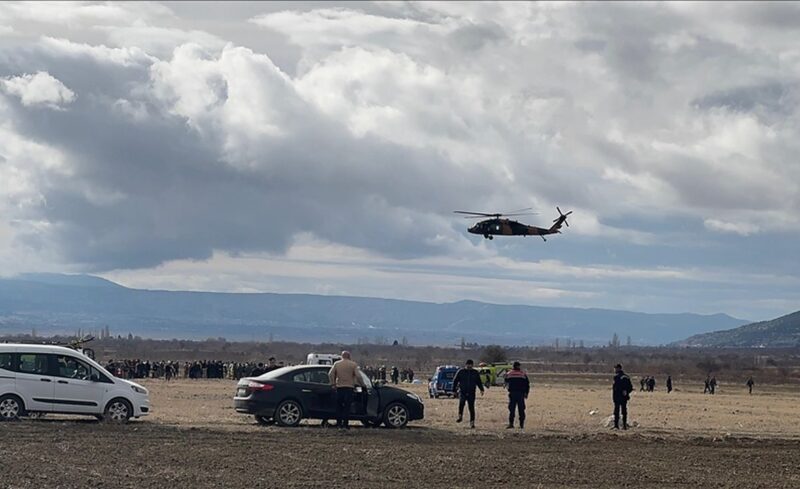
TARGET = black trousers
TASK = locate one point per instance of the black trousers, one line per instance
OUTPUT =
(344, 398)
(620, 405)
(516, 402)
(469, 400)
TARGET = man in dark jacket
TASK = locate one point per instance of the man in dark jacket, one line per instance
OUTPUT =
(669, 384)
(465, 382)
(518, 387)
(620, 393)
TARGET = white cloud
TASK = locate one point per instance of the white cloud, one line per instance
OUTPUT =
(127, 56)
(740, 228)
(40, 89)
(81, 13)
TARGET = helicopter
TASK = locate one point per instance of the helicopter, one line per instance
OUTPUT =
(498, 225)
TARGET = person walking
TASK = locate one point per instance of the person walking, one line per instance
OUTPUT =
(344, 377)
(519, 387)
(669, 384)
(465, 382)
(750, 385)
(620, 394)
(713, 385)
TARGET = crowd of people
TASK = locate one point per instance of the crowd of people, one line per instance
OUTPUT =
(203, 369)
(393, 374)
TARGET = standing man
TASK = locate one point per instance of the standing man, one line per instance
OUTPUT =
(713, 384)
(271, 365)
(750, 385)
(621, 393)
(395, 375)
(669, 384)
(518, 387)
(344, 377)
(465, 382)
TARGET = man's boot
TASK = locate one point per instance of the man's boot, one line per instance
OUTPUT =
(472, 424)
(624, 422)
(522, 424)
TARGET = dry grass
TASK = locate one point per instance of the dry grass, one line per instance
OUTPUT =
(558, 404)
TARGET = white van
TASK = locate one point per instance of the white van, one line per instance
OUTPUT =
(56, 379)
(322, 358)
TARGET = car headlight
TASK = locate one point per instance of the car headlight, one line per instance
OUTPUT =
(414, 396)
(139, 390)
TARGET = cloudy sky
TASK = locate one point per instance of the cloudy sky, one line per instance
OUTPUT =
(321, 148)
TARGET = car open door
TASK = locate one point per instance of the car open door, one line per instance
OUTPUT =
(366, 400)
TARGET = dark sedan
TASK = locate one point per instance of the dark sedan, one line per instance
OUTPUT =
(289, 394)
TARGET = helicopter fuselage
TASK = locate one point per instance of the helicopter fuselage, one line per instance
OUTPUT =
(507, 227)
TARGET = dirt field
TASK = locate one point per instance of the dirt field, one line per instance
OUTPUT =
(195, 439)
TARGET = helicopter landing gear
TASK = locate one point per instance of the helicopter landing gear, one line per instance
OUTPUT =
(488, 236)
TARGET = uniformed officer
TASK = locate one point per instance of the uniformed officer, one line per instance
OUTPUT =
(621, 393)
(518, 387)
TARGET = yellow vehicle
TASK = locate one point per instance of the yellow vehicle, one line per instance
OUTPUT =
(494, 373)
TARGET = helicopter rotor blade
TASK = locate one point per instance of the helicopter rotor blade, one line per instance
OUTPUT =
(484, 214)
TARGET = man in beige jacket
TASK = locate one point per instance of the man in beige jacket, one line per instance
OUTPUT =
(344, 377)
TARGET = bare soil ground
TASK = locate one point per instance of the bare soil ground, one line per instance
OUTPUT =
(194, 438)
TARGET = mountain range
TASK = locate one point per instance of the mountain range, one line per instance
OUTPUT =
(777, 333)
(53, 303)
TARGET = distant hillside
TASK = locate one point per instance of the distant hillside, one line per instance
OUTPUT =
(62, 304)
(781, 332)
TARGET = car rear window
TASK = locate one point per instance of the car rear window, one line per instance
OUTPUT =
(448, 374)
(315, 376)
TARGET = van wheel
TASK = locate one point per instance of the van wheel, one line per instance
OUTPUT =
(11, 407)
(118, 411)
(289, 413)
(395, 416)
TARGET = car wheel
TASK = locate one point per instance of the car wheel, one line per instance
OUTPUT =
(395, 416)
(118, 411)
(11, 407)
(264, 421)
(289, 413)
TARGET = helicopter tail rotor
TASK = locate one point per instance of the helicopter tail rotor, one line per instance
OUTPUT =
(561, 219)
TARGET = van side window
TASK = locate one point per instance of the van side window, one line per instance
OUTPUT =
(33, 363)
(72, 368)
(5, 361)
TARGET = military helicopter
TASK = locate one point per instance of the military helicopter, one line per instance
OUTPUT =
(500, 226)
